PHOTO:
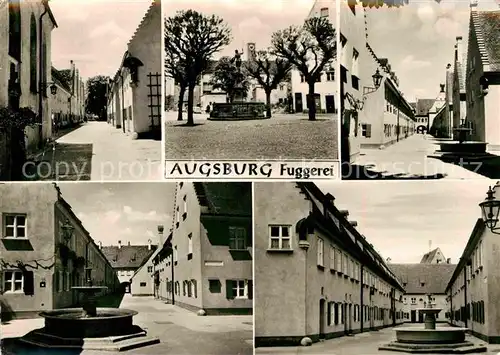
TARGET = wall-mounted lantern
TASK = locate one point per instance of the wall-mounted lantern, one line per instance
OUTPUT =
(490, 209)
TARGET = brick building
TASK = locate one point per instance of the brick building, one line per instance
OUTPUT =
(315, 275)
(44, 251)
(206, 260)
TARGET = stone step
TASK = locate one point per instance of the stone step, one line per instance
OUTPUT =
(462, 348)
(124, 345)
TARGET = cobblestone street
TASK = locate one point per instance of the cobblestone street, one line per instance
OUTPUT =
(280, 137)
(360, 344)
(409, 157)
(97, 151)
(180, 331)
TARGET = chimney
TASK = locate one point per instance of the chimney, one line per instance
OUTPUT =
(442, 88)
(353, 223)
(448, 261)
(100, 245)
(160, 234)
(344, 213)
(119, 244)
(128, 243)
(149, 244)
(473, 4)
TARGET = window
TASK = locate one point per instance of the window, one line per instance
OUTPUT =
(413, 300)
(184, 215)
(33, 56)
(324, 12)
(15, 226)
(302, 78)
(143, 284)
(404, 300)
(177, 216)
(190, 244)
(355, 64)
(238, 289)
(15, 29)
(150, 269)
(237, 238)
(366, 130)
(330, 75)
(214, 286)
(320, 255)
(279, 238)
(338, 258)
(13, 281)
(345, 264)
(332, 258)
(175, 255)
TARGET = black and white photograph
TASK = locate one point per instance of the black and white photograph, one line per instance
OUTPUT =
(376, 268)
(81, 90)
(250, 80)
(420, 89)
(135, 267)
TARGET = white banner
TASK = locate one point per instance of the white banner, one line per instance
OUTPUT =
(252, 170)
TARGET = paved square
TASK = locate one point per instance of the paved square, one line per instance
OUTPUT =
(360, 344)
(280, 137)
(181, 332)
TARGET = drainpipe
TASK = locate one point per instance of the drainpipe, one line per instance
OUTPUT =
(465, 295)
(451, 307)
(123, 103)
(42, 86)
(173, 278)
(362, 313)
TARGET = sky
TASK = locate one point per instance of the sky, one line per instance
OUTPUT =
(400, 218)
(94, 33)
(251, 21)
(419, 39)
(130, 212)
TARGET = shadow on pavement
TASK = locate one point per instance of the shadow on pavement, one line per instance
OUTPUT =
(361, 172)
(188, 125)
(62, 161)
(488, 165)
(112, 300)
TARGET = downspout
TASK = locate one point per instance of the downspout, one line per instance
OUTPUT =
(123, 103)
(173, 278)
(451, 307)
(465, 296)
(41, 85)
(362, 313)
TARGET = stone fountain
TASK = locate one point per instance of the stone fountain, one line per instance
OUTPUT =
(89, 327)
(461, 148)
(432, 340)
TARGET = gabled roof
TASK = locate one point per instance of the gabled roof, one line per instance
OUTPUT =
(428, 257)
(423, 106)
(225, 198)
(424, 278)
(486, 25)
(60, 79)
(127, 256)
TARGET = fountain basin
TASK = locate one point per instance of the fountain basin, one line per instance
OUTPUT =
(237, 111)
(69, 323)
(468, 147)
(440, 335)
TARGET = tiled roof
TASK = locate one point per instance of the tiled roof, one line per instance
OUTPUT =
(127, 256)
(423, 106)
(60, 79)
(428, 257)
(424, 278)
(225, 198)
(487, 28)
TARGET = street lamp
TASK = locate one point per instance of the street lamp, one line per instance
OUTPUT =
(377, 80)
(51, 86)
(490, 208)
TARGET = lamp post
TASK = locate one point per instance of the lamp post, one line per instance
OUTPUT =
(490, 208)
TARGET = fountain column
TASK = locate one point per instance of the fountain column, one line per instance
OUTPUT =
(430, 320)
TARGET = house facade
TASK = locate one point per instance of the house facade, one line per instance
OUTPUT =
(44, 252)
(316, 276)
(126, 260)
(420, 281)
(134, 98)
(483, 77)
(205, 264)
(326, 90)
(60, 102)
(387, 117)
(25, 62)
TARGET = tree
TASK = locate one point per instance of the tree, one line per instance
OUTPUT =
(97, 96)
(229, 78)
(269, 71)
(191, 39)
(310, 48)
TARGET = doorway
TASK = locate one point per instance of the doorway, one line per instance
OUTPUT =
(349, 329)
(299, 107)
(322, 319)
(330, 103)
(413, 316)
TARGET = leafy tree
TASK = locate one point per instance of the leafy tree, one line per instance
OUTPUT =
(191, 39)
(269, 71)
(310, 48)
(228, 78)
(97, 96)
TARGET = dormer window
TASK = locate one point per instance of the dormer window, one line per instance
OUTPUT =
(324, 12)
